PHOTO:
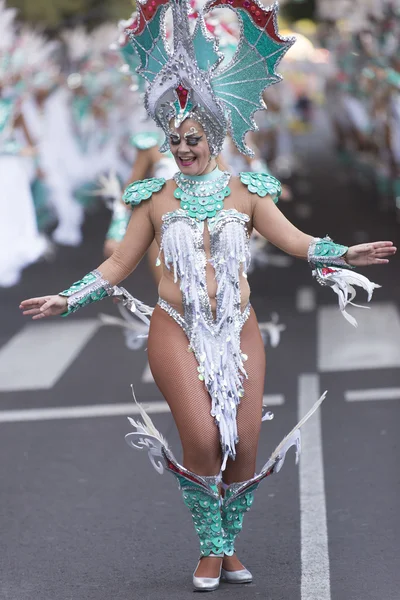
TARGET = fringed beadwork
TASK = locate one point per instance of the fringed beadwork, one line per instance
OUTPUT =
(215, 342)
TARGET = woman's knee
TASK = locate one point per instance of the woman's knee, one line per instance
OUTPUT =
(202, 453)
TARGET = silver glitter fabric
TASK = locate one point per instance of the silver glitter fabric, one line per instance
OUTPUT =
(215, 342)
(188, 80)
(91, 288)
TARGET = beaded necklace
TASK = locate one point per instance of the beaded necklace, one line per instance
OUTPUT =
(202, 196)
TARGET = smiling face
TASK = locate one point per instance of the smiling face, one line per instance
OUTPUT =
(189, 146)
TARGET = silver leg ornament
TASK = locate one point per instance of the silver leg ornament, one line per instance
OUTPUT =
(217, 523)
(200, 494)
(239, 497)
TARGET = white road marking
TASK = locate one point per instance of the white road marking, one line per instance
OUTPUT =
(374, 344)
(315, 571)
(37, 356)
(306, 299)
(268, 399)
(372, 394)
(273, 399)
(80, 412)
(147, 377)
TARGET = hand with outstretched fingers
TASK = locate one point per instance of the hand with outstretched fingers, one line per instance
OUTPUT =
(375, 253)
(44, 306)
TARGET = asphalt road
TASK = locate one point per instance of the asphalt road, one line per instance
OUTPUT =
(83, 517)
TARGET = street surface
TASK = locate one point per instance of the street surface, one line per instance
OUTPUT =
(83, 517)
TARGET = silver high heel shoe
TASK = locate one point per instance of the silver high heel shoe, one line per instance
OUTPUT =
(242, 576)
(207, 584)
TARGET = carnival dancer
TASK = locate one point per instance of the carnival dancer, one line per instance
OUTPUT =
(205, 349)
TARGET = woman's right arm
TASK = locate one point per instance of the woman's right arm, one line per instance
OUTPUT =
(97, 284)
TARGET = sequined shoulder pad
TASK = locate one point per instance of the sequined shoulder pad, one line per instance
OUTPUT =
(144, 141)
(262, 185)
(138, 191)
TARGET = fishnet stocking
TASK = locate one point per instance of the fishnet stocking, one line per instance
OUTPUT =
(175, 372)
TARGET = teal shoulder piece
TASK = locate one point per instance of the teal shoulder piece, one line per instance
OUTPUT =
(262, 185)
(138, 191)
(145, 140)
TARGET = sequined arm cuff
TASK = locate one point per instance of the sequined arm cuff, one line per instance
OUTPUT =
(325, 253)
(119, 223)
(89, 289)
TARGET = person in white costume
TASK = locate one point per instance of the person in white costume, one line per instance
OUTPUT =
(20, 241)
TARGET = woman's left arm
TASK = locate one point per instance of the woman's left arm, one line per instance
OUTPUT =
(277, 229)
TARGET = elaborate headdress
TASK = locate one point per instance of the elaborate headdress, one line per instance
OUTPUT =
(188, 80)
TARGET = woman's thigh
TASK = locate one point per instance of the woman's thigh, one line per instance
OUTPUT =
(174, 369)
(249, 413)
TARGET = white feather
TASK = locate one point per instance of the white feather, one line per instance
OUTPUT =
(342, 282)
(148, 427)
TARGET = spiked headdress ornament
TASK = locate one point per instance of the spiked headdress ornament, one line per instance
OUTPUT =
(188, 79)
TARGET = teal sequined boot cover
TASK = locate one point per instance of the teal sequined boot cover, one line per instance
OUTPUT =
(233, 510)
(201, 496)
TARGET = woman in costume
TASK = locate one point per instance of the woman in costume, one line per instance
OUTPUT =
(205, 349)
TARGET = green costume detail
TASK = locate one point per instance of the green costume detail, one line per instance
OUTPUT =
(206, 514)
(241, 84)
(119, 223)
(138, 191)
(146, 140)
(205, 49)
(89, 289)
(149, 44)
(8, 144)
(396, 188)
(202, 196)
(325, 253)
(262, 185)
(232, 516)
(202, 207)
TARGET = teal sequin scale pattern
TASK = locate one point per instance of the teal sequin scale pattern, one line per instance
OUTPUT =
(232, 514)
(206, 515)
(89, 289)
(202, 200)
(325, 253)
(138, 191)
(262, 185)
(119, 223)
(8, 143)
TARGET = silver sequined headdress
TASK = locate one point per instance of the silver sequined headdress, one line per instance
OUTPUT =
(188, 79)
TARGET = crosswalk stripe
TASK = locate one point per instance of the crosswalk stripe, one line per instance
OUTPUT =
(37, 356)
(273, 399)
(315, 569)
(306, 300)
(97, 410)
(372, 394)
(80, 412)
(375, 344)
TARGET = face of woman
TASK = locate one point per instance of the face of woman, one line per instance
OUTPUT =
(189, 146)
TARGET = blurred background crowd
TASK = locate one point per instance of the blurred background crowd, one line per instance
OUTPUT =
(73, 130)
